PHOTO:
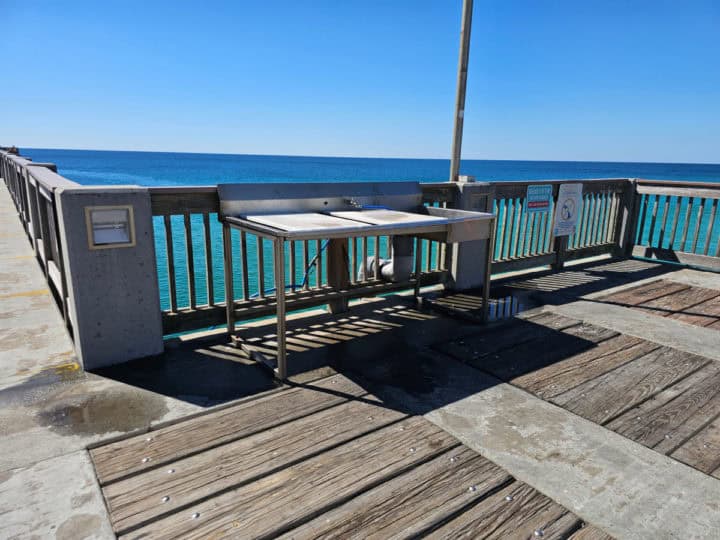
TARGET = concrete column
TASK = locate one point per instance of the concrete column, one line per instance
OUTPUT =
(467, 262)
(113, 289)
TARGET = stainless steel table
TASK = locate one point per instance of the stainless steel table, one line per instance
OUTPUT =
(292, 212)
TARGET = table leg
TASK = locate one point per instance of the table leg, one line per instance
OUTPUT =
(418, 266)
(488, 273)
(279, 271)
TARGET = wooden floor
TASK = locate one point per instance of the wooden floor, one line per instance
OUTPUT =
(665, 399)
(693, 305)
(325, 460)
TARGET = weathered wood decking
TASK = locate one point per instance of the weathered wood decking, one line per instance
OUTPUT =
(322, 460)
(356, 454)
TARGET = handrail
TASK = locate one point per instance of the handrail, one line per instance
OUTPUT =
(678, 183)
(32, 187)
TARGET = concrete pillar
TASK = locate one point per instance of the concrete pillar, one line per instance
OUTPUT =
(112, 287)
(467, 262)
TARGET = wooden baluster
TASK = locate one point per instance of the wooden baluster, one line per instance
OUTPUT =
(170, 263)
(686, 224)
(653, 220)
(190, 260)
(516, 228)
(610, 232)
(588, 208)
(543, 233)
(531, 235)
(599, 235)
(676, 216)
(522, 233)
(708, 238)
(698, 221)
(509, 222)
(245, 273)
(511, 231)
(502, 225)
(318, 263)
(640, 224)
(261, 267)
(663, 225)
(210, 278)
(592, 220)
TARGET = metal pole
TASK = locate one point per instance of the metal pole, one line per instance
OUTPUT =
(461, 86)
(279, 271)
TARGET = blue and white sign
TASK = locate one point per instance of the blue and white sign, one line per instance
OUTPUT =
(567, 210)
(538, 198)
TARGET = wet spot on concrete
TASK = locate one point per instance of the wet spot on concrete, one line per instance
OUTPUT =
(103, 412)
(79, 527)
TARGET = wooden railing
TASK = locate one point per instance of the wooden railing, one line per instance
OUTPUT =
(525, 240)
(32, 187)
(190, 254)
(671, 221)
(678, 222)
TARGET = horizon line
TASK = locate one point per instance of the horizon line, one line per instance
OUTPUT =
(368, 157)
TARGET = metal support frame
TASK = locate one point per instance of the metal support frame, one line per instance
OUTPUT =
(278, 242)
(279, 271)
(488, 273)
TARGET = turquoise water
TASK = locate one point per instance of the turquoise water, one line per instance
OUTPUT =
(162, 169)
(173, 169)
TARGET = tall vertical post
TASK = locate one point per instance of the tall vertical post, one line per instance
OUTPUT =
(461, 86)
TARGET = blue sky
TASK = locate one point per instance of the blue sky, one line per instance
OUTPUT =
(609, 80)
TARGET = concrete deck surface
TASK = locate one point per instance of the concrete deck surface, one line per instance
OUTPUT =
(51, 411)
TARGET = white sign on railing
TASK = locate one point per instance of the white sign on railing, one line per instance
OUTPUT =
(567, 210)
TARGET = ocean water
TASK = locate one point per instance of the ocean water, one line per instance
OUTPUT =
(177, 169)
(173, 169)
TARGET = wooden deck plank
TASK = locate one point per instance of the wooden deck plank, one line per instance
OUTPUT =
(514, 512)
(533, 356)
(646, 292)
(493, 339)
(703, 314)
(674, 415)
(678, 302)
(702, 451)
(590, 533)
(287, 498)
(570, 372)
(138, 499)
(411, 503)
(123, 458)
(613, 393)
